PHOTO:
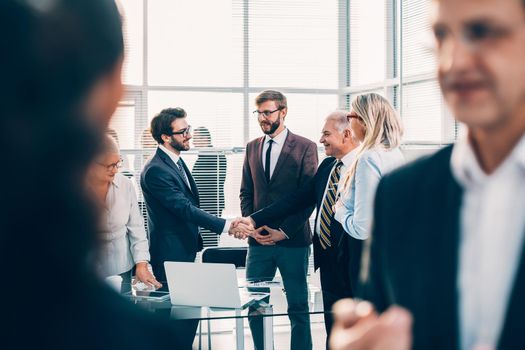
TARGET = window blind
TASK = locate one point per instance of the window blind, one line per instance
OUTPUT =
(212, 58)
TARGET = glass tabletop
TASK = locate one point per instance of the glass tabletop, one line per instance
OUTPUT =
(271, 305)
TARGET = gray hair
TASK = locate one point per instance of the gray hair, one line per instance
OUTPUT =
(109, 145)
(341, 119)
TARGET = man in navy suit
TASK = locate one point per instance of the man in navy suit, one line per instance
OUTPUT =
(172, 201)
(171, 195)
(449, 230)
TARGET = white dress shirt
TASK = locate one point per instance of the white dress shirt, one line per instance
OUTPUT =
(347, 160)
(492, 230)
(124, 238)
(175, 158)
(277, 147)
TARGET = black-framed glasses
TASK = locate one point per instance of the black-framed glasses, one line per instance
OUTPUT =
(183, 132)
(112, 166)
(266, 113)
(353, 116)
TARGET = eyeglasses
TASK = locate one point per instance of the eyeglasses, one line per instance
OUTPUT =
(184, 132)
(266, 113)
(112, 166)
(353, 116)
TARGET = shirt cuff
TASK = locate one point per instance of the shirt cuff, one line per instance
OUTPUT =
(227, 225)
(141, 256)
(285, 235)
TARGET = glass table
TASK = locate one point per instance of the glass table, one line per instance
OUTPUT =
(267, 310)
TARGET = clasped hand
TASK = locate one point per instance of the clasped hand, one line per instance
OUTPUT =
(241, 228)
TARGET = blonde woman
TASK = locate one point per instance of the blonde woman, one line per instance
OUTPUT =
(376, 127)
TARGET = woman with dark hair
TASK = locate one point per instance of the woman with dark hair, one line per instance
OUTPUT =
(60, 67)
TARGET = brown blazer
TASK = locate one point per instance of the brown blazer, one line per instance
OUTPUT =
(296, 165)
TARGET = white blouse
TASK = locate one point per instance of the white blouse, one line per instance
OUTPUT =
(124, 236)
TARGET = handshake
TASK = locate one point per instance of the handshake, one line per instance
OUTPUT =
(243, 227)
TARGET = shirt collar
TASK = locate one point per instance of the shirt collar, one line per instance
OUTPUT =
(115, 181)
(175, 158)
(519, 152)
(349, 158)
(465, 166)
(279, 139)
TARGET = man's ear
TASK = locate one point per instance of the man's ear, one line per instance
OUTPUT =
(284, 112)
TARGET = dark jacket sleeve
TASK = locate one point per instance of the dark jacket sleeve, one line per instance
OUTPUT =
(295, 222)
(373, 283)
(303, 199)
(169, 193)
(247, 188)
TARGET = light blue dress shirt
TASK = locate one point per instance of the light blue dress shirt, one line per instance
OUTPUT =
(355, 207)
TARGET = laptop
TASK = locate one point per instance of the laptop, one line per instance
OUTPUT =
(207, 284)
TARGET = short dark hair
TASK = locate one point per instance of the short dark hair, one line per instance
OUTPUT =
(161, 123)
(271, 95)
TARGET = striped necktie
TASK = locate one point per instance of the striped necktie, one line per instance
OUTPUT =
(327, 212)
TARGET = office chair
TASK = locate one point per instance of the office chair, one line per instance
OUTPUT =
(225, 255)
(222, 255)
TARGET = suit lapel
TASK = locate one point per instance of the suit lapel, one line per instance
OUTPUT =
(193, 184)
(288, 146)
(166, 159)
(260, 168)
(321, 180)
(512, 335)
(444, 261)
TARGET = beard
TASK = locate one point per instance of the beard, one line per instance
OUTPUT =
(178, 145)
(273, 126)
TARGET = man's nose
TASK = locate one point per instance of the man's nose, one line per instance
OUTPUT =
(455, 55)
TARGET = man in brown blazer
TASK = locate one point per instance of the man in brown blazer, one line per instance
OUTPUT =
(275, 166)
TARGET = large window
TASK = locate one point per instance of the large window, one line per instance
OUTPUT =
(390, 53)
(212, 57)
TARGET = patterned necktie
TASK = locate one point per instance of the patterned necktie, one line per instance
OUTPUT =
(267, 161)
(183, 173)
(327, 213)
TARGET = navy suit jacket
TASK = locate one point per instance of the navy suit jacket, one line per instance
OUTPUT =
(346, 248)
(173, 212)
(415, 252)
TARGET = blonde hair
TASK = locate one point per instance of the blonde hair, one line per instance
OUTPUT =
(382, 124)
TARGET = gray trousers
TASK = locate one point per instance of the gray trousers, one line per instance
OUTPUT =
(261, 264)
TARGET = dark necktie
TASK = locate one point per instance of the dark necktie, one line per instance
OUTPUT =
(327, 214)
(182, 172)
(267, 161)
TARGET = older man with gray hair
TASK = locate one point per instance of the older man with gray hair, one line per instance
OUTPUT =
(336, 254)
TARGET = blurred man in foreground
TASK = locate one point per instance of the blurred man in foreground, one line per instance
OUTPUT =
(447, 243)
